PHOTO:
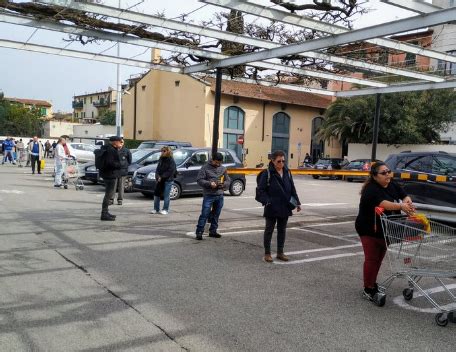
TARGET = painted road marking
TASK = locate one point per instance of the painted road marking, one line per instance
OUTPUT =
(233, 233)
(324, 249)
(316, 259)
(321, 204)
(11, 191)
(324, 234)
(333, 223)
(401, 302)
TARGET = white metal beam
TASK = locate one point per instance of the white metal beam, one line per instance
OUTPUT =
(398, 89)
(217, 34)
(306, 22)
(128, 39)
(435, 18)
(420, 7)
(10, 44)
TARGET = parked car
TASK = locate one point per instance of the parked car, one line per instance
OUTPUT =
(189, 162)
(159, 144)
(83, 151)
(139, 158)
(329, 164)
(358, 165)
(435, 198)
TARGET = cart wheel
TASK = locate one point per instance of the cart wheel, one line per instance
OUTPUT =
(65, 186)
(380, 299)
(81, 188)
(408, 294)
(441, 319)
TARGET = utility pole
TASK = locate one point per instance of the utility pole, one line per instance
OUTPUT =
(119, 93)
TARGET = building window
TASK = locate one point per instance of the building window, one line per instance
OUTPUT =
(91, 100)
(410, 59)
(85, 100)
(233, 127)
(43, 111)
(92, 114)
(280, 132)
(447, 68)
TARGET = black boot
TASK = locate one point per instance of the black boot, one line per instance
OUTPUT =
(107, 217)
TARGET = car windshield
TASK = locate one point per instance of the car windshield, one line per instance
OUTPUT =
(357, 163)
(180, 156)
(139, 154)
(145, 145)
(324, 162)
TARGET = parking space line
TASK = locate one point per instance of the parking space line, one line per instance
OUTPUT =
(332, 223)
(324, 234)
(316, 259)
(324, 249)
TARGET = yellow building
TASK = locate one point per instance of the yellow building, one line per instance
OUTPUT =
(43, 106)
(87, 108)
(171, 106)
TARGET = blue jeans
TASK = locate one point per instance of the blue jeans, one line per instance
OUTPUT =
(166, 191)
(212, 207)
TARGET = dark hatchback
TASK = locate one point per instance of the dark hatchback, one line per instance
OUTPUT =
(139, 158)
(358, 165)
(439, 198)
(329, 164)
(189, 162)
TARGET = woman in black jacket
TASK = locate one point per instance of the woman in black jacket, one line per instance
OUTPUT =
(277, 192)
(164, 175)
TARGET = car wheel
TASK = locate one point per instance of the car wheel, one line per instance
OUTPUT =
(128, 185)
(236, 188)
(316, 177)
(175, 191)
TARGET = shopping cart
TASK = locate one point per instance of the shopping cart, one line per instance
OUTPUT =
(421, 248)
(71, 174)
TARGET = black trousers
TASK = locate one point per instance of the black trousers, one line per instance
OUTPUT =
(110, 191)
(35, 159)
(281, 232)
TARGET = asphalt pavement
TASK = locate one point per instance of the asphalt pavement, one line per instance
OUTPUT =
(70, 282)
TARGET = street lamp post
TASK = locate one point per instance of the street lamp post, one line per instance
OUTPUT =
(119, 94)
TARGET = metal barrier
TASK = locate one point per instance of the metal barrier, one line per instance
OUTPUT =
(326, 173)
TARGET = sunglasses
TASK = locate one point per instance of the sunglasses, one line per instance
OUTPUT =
(279, 161)
(384, 173)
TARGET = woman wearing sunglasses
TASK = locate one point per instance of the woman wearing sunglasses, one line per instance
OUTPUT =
(379, 190)
(275, 190)
(164, 175)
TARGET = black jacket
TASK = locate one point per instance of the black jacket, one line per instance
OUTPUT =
(166, 169)
(111, 162)
(125, 161)
(275, 198)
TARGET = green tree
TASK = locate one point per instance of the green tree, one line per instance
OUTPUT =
(17, 120)
(108, 118)
(405, 118)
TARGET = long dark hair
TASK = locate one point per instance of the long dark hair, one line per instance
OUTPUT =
(373, 172)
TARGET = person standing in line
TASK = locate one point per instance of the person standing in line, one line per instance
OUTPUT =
(36, 151)
(214, 179)
(125, 161)
(276, 189)
(47, 149)
(379, 190)
(164, 176)
(54, 145)
(110, 169)
(62, 153)
(8, 147)
(28, 153)
(20, 150)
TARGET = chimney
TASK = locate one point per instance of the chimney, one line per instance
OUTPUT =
(155, 55)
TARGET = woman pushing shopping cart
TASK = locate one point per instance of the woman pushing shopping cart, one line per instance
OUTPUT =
(378, 222)
(66, 166)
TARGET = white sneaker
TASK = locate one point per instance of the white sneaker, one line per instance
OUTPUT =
(164, 212)
(153, 211)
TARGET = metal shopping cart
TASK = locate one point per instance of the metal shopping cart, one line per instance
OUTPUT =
(71, 174)
(421, 248)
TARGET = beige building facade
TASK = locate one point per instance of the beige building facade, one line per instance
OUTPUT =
(87, 108)
(170, 106)
(44, 107)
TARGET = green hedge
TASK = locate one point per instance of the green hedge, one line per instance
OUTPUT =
(132, 143)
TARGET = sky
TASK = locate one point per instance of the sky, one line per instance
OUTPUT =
(57, 79)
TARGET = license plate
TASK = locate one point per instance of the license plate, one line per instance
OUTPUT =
(138, 182)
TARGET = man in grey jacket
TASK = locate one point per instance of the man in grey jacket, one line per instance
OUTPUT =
(214, 179)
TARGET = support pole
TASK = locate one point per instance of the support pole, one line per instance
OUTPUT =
(119, 93)
(218, 95)
(376, 127)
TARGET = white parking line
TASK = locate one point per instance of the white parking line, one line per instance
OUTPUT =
(233, 233)
(324, 249)
(316, 259)
(321, 204)
(342, 238)
(332, 223)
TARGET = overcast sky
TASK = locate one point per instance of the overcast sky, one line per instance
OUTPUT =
(57, 79)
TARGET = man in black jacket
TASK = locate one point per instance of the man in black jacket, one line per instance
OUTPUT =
(125, 161)
(110, 170)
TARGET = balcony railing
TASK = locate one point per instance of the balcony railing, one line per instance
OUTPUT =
(101, 103)
(78, 104)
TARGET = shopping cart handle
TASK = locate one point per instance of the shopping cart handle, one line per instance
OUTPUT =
(379, 210)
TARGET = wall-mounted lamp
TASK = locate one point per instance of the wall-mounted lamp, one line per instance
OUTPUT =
(139, 131)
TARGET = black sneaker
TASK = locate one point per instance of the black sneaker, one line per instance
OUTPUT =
(215, 235)
(107, 217)
(112, 215)
(369, 293)
(119, 202)
(199, 236)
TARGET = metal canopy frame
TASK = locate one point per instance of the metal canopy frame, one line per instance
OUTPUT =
(263, 59)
